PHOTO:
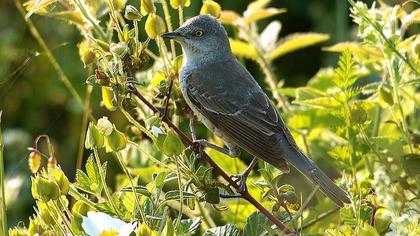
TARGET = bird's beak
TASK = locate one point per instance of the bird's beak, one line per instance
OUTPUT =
(172, 35)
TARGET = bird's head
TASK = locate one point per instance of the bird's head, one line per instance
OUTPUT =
(201, 37)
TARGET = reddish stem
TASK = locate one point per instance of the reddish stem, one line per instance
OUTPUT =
(244, 194)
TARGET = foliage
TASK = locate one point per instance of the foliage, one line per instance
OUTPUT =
(360, 118)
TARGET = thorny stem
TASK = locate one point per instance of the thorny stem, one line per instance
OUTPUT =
(127, 173)
(102, 176)
(244, 194)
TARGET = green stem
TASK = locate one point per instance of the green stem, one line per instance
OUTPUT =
(133, 188)
(75, 194)
(138, 125)
(83, 128)
(63, 216)
(181, 192)
(51, 209)
(85, 13)
(102, 176)
(3, 214)
(181, 15)
(394, 74)
(169, 24)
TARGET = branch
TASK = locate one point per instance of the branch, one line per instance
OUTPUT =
(244, 194)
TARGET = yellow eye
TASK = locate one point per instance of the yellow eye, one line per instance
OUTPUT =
(198, 33)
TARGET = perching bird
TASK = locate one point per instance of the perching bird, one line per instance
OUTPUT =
(227, 99)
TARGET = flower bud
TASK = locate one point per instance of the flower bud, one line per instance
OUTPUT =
(119, 49)
(17, 232)
(34, 161)
(94, 138)
(61, 179)
(101, 78)
(35, 227)
(146, 7)
(46, 215)
(172, 146)
(212, 8)
(105, 126)
(108, 98)
(44, 189)
(116, 141)
(175, 4)
(154, 26)
(129, 103)
(81, 208)
(52, 162)
(131, 13)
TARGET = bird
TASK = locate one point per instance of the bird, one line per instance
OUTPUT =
(227, 100)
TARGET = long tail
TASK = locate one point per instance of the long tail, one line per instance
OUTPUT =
(308, 168)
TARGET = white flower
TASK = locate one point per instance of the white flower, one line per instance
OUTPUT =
(101, 224)
(104, 126)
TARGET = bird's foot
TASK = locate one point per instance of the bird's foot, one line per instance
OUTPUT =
(240, 180)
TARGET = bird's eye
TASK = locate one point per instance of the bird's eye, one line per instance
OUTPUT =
(198, 33)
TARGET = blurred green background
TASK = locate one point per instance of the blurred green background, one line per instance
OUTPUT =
(34, 101)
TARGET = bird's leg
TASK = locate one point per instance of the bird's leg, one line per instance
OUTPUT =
(241, 178)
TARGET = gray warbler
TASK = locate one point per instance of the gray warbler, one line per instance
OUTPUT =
(228, 100)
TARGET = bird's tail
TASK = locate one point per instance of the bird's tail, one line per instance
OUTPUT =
(308, 168)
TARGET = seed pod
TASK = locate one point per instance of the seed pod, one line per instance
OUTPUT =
(81, 208)
(35, 227)
(52, 162)
(94, 139)
(131, 13)
(61, 179)
(34, 161)
(44, 189)
(146, 7)
(175, 4)
(116, 141)
(212, 8)
(108, 97)
(129, 103)
(154, 26)
(172, 146)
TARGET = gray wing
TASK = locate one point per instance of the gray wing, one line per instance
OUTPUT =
(230, 98)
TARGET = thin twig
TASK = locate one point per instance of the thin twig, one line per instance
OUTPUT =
(244, 194)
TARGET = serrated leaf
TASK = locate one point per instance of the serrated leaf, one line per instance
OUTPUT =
(254, 15)
(255, 225)
(347, 216)
(128, 201)
(368, 230)
(297, 41)
(139, 189)
(226, 230)
(92, 170)
(243, 49)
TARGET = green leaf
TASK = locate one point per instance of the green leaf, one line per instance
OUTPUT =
(128, 200)
(189, 226)
(368, 230)
(411, 164)
(297, 41)
(347, 216)
(174, 195)
(227, 230)
(243, 49)
(255, 225)
(212, 195)
(139, 189)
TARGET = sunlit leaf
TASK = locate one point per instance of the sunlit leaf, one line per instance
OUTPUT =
(251, 16)
(255, 225)
(297, 41)
(243, 49)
